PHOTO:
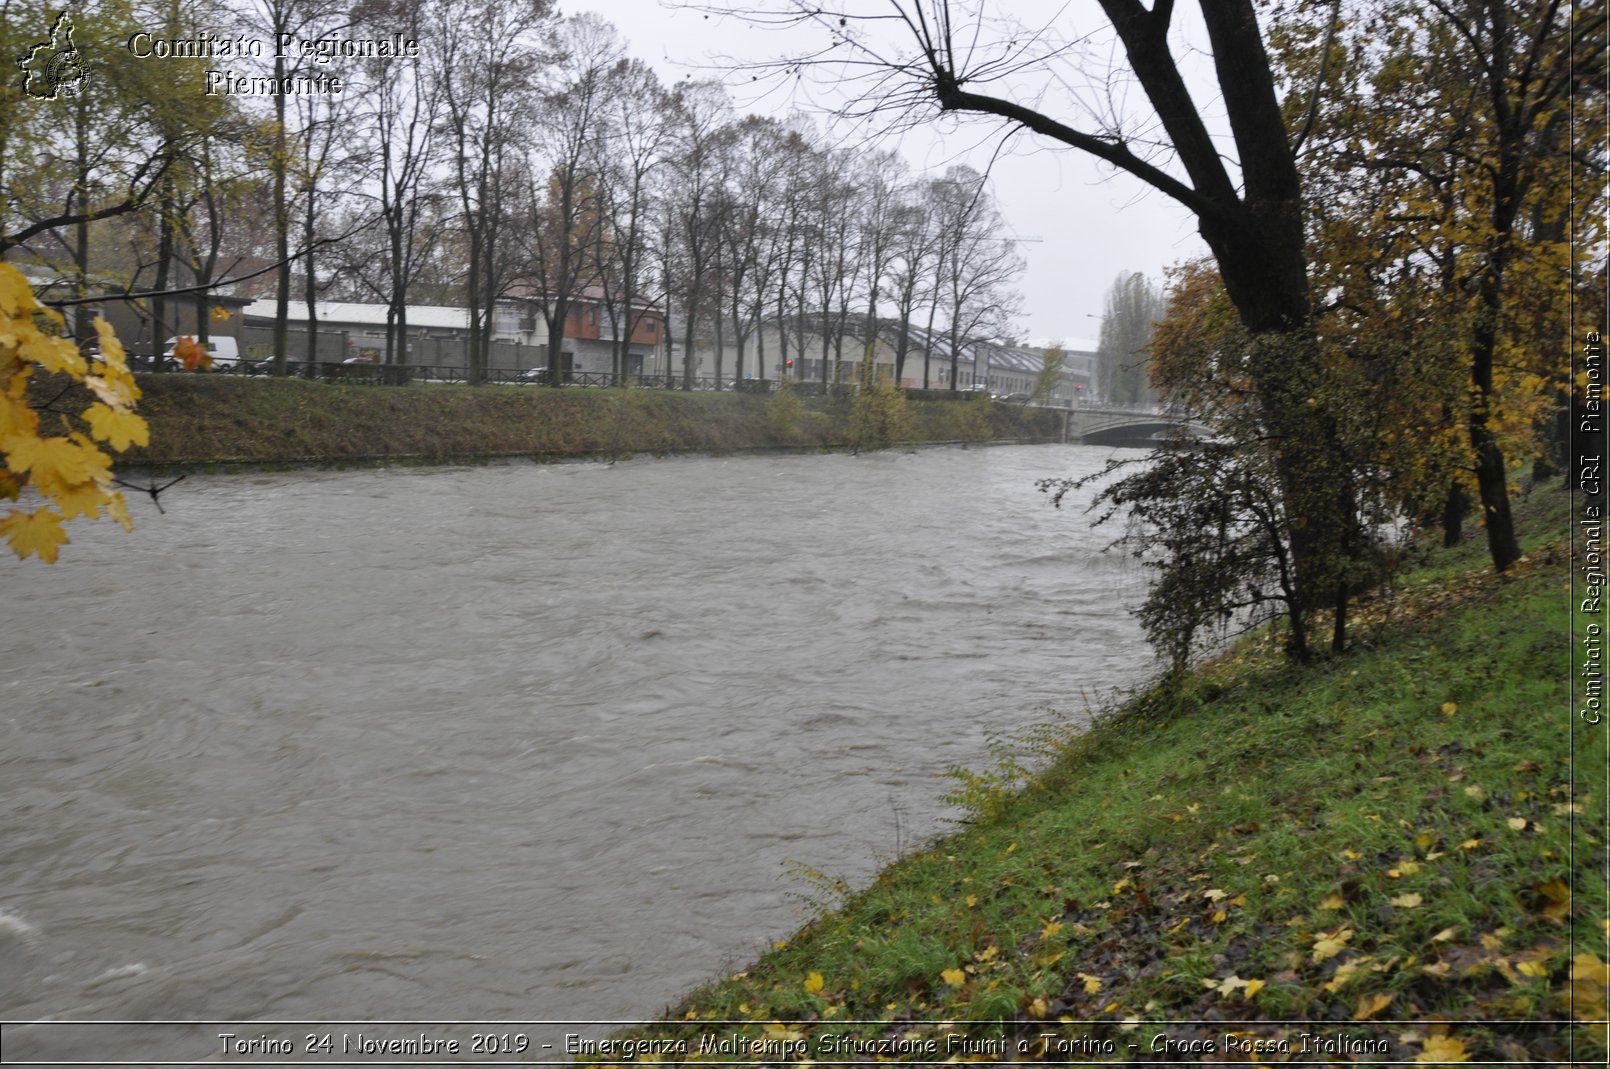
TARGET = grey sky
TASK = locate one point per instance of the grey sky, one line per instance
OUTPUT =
(1091, 223)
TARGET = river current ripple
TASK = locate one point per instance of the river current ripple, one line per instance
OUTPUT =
(514, 742)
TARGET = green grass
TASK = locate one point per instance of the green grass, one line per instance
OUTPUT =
(217, 418)
(1393, 845)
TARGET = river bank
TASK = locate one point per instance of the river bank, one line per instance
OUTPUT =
(1402, 849)
(218, 419)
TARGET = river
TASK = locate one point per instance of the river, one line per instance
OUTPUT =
(514, 742)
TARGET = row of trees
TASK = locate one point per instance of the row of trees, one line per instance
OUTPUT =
(513, 154)
(1385, 318)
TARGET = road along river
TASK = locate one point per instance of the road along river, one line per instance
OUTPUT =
(514, 742)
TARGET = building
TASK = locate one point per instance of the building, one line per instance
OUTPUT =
(438, 336)
(1003, 369)
(590, 334)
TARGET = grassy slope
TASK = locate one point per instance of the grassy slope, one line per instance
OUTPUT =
(1385, 841)
(200, 418)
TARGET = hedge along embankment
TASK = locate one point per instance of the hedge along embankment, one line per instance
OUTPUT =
(214, 418)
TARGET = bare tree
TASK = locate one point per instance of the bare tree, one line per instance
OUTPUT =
(976, 265)
(702, 111)
(912, 275)
(293, 19)
(488, 55)
(636, 131)
(566, 224)
(405, 103)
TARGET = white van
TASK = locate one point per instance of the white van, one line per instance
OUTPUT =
(225, 354)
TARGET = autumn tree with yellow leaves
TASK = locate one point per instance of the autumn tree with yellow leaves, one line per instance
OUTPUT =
(1448, 153)
(56, 467)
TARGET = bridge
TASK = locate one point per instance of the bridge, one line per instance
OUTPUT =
(1135, 427)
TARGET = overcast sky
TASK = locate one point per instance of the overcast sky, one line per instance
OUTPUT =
(1088, 223)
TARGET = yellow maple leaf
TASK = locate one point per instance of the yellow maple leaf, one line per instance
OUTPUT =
(85, 499)
(1092, 984)
(52, 354)
(1253, 987)
(17, 417)
(1444, 1049)
(1449, 708)
(1332, 902)
(1408, 901)
(953, 977)
(119, 429)
(16, 296)
(57, 463)
(117, 392)
(814, 982)
(34, 532)
(112, 352)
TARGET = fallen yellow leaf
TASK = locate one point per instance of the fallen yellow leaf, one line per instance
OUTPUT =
(1408, 901)
(1444, 1049)
(1370, 1005)
(814, 982)
(1590, 968)
(1329, 946)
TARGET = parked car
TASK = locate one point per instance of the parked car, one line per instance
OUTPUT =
(537, 376)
